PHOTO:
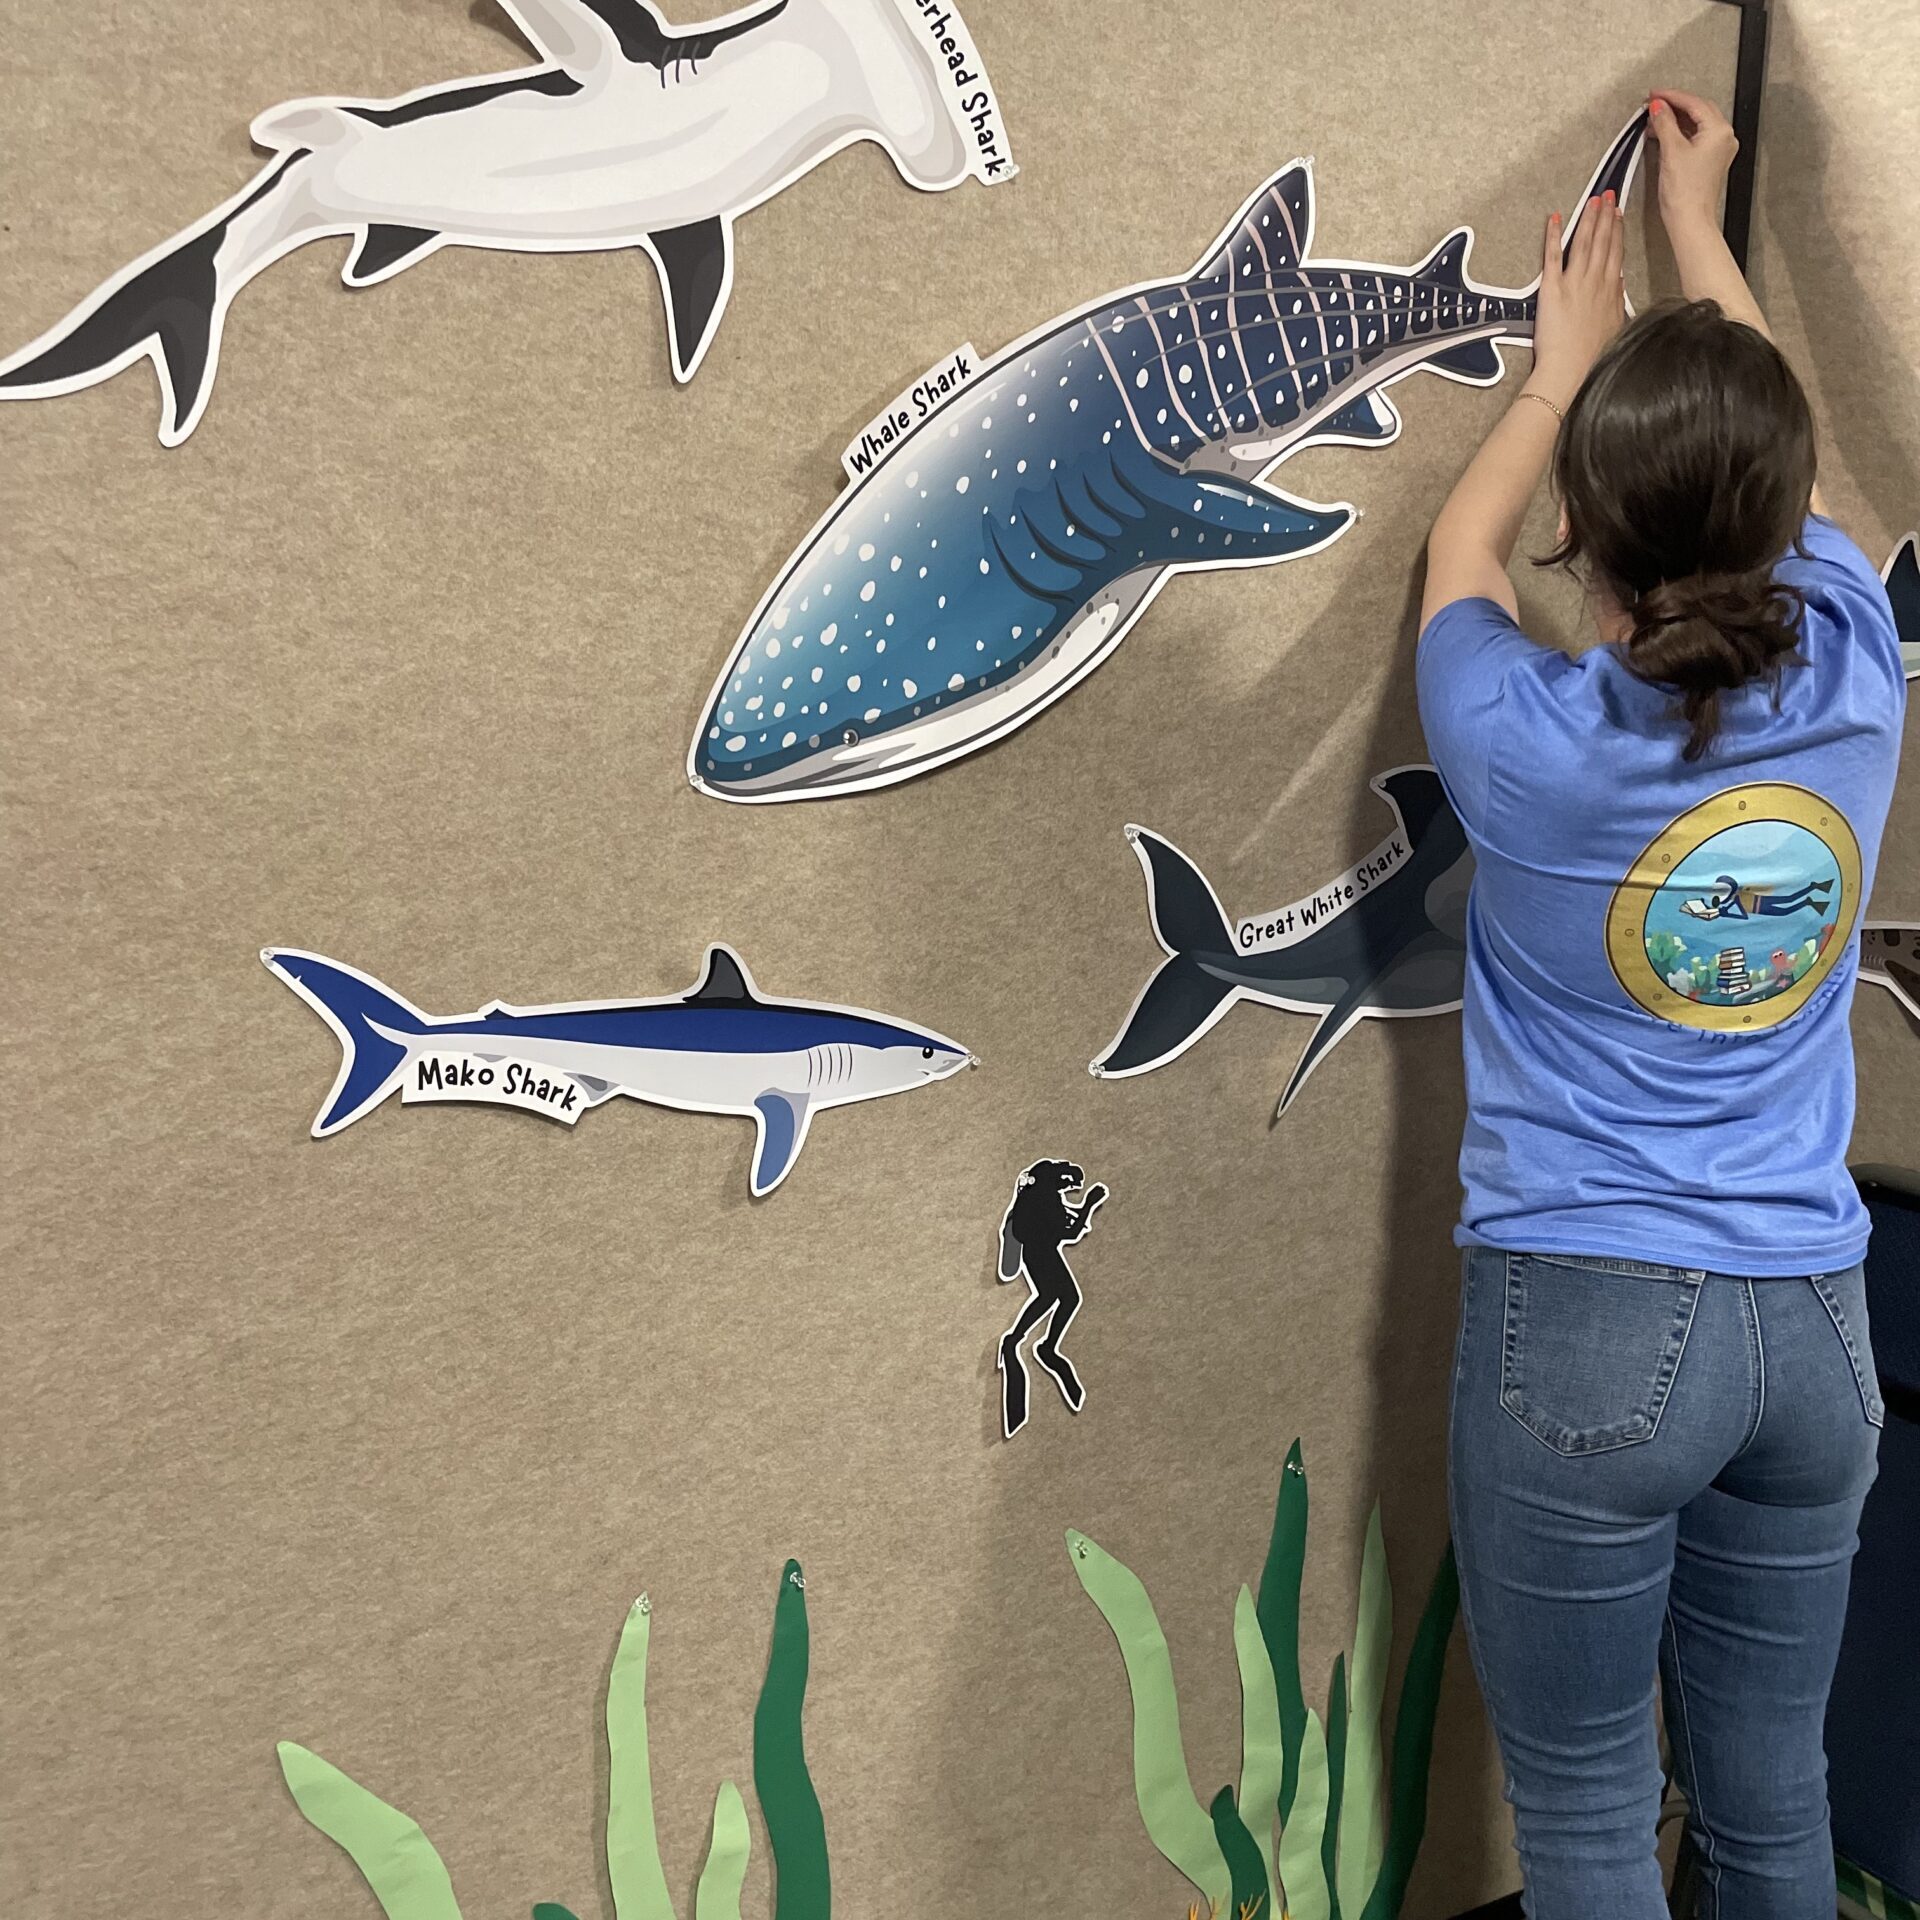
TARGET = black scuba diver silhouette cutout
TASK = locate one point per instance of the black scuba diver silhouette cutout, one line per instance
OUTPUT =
(1038, 1223)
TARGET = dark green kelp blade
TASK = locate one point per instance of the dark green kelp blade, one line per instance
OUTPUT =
(1244, 1864)
(1278, 1609)
(1413, 1724)
(796, 1831)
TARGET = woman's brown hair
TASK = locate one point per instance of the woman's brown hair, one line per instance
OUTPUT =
(1684, 470)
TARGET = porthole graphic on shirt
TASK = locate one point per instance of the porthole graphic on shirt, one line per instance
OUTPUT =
(1735, 914)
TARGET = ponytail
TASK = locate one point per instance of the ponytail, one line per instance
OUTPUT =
(1711, 634)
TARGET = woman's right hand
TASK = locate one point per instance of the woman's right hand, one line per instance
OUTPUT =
(1697, 145)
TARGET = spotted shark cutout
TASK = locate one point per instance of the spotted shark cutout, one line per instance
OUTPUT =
(1386, 939)
(629, 133)
(998, 551)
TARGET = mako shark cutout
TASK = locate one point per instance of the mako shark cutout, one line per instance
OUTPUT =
(1890, 958)
(629, 133)
(1386, 940)
(1001, 549)
(722, 1047)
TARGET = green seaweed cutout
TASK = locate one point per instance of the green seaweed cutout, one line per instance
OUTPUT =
(717, 1897)
(1175, 1821)
(796, 1831)
(411, 1882)
(1362, 1822)
(1413, 1724)
(634, 1871)
(1242, 1855)
(407, 1876)
(1346, 1848)
(1303, 1880)
(1262, 1748)
(1279, 1612)
(1336, 1780)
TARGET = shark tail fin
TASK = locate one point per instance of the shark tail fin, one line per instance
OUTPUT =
(364, 1017)
(167, 309)
(1183, 999)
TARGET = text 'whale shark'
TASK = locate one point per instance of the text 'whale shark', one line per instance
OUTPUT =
(1387, 940)
(630, 133)
(722, 1047)
(999, 550)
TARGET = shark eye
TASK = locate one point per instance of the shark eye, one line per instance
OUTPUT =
(849, 737)
(926, 1053)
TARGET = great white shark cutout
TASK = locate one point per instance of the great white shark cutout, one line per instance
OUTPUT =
(1384, 940)
(721, 1047)
(629, 133)
(997, 550)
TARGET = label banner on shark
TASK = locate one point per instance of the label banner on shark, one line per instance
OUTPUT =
(492, 1082)
(721, 1047)
(1386, 940)
(987, 556)
(628, 133)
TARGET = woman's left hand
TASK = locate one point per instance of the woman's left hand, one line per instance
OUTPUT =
(1583, 301)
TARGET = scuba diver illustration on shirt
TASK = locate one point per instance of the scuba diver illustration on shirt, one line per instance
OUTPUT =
(1038, 1223)
(1731, 901)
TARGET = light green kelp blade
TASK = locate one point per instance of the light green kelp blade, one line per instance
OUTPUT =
(1248, 1872)
(407, 1876)
(1336, 1779)
(1262, 1751)
(796, 1832)
(1175, 1821)
(1303, 1873)
(1413, 1740)
(1279, 1612)
(1361, 1816)
(717, 1897)
(633, 1850)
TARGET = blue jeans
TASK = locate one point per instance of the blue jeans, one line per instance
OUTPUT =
(1658, 1472)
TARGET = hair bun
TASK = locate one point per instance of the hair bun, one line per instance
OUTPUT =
(1710, 633)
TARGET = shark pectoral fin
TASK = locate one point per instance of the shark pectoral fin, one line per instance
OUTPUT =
(595, 1089)
(1217, 517)
(1371, 419)
(783, 1130)
(382, 251)
(1338, 1021)
(696, 271)
(1475, 360)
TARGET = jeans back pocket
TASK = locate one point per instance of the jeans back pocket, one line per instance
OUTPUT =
(1590, 1348)
(1844, 1295)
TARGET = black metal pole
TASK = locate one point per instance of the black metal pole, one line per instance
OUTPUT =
(1749, 85)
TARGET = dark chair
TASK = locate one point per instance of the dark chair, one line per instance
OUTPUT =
(1873, 1718)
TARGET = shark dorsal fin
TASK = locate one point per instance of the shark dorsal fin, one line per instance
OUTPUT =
(1902, 577)
(1272, 235)
(726, 981)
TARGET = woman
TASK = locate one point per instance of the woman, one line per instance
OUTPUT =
(1664, 1417)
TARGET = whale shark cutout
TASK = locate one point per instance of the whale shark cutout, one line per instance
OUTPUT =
(1384, 940)
(628, 134)
(720, 1047)
(1901, 576)
(989, 557)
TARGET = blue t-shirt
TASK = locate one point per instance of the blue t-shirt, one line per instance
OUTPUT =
(1661, 954)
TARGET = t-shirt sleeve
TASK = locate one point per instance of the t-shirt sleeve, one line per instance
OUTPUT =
(1846, 599)
(1466, 652)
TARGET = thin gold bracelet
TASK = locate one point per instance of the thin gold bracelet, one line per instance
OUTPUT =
(1527, 393)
